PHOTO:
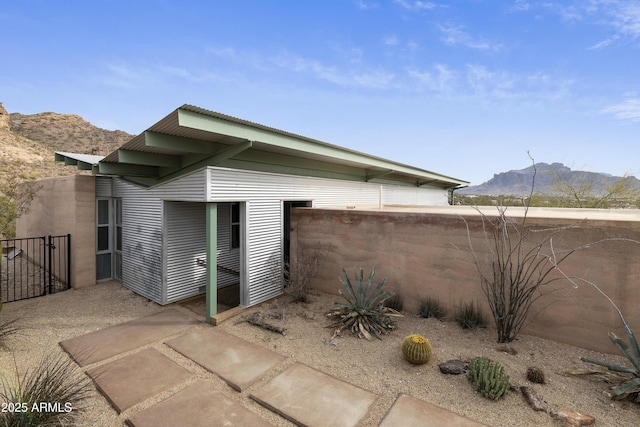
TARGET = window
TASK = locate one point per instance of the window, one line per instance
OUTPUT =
(103, 239)
(235, 226)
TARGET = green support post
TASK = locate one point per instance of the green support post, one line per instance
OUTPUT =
(212, 261)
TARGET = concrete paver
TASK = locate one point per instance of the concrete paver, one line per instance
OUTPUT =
(238, 362)
(407, 411)
(108, 342)
(312, 398)
(132, 379)
(301, 394)
(198, 405)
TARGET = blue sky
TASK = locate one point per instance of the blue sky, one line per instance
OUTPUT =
(463, 88)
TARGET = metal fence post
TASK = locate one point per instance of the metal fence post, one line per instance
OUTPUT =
(69, 261)
(50, 264)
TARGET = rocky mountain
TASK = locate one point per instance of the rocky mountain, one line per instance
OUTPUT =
(519, 182)
(28, 142)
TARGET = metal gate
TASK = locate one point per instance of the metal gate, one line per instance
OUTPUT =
(34, 267)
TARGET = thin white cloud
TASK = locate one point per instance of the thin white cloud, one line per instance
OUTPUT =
(416, 5)
(627, 110)
(604, 43)
(621, 16)
(363, 5)
(347, 77)
(438, 79)
(391, 40)
(455, 35)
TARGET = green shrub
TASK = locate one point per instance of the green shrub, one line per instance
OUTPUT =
(416, 349)
(53, 380)
(488, 377)
(363, 311)
(396, 302)
(431, 307)
(632, 353)
(469, 316)
(535, 375)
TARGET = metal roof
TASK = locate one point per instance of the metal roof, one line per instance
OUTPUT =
(190, 138)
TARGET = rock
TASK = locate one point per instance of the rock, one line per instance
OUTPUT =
(533, 399)
(453, 367)
(571, 419)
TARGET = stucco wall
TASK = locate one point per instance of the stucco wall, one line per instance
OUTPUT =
(66, 205)
(417, 252)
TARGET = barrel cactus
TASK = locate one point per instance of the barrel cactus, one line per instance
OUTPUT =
(535, 375)
(488, 377)
(417, 349)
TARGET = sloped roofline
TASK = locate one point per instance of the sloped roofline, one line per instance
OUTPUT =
(191, 137)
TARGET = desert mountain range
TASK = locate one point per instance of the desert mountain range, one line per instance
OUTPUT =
(28, 143)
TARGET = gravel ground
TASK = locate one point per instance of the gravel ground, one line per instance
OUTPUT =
(375, 365)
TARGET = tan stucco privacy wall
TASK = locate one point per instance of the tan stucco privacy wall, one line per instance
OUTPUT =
(66, 205)
(416, 251)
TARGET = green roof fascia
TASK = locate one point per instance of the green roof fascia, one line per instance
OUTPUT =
(194, 162)
(124, 169)
(209, 123)
(148, 159)
(179, 143)
(276, 160)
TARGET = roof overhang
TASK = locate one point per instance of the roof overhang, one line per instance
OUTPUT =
(191, 138)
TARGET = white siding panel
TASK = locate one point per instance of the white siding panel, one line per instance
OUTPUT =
(266, 192)
(142, 238)
(103, 186)
(265, 250)
(186, 239)
(413, 196)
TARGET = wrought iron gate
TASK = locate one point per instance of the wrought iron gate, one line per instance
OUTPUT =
(34, 266)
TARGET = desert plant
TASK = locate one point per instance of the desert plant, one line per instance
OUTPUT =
(535, 375)
(363, 311)
(488, 377)
(396, 302)
(517, 271)
(431, 307)
(469, 316)
(55, 383)
(416, 349)
(7, 328)
(631, 352)
(299, 272)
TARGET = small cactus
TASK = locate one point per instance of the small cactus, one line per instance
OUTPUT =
(488, 377)
(417, 349)
(535, 375)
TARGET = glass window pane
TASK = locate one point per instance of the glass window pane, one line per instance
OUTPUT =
(103, 238)
(235, 212)
(235, 236)
(118, 238)
(118, 211)
(103, 266)
(103, 212)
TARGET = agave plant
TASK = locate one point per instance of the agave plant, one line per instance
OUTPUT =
(632, 353)
(363, 311)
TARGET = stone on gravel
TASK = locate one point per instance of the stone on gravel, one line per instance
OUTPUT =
(453, 367)
(571, 419)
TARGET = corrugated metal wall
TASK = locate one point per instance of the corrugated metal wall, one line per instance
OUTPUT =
(186, 241)
(103, 186)
(151, 213)
(143, 244)
(265, 194)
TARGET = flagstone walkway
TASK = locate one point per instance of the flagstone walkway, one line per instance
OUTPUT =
(129, 372)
